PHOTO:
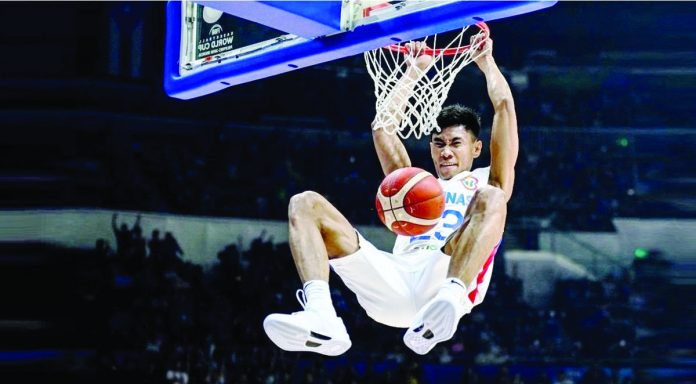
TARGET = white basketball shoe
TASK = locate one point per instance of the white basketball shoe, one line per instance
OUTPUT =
(437, 320)
(309, 330)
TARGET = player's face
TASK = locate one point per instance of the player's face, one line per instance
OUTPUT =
(453, 151)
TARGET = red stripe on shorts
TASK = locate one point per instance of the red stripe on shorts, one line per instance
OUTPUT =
(482, 273)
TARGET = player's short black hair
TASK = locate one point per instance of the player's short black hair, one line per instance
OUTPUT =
(458, 114)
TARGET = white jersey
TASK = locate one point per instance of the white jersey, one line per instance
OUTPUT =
(459, 190)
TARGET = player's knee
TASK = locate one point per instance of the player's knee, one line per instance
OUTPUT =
(489, 199)
(304, 203)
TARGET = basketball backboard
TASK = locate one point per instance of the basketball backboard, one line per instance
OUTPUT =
(212, 45)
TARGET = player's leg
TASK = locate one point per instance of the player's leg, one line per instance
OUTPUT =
(317, 232)
(471, 244)
(469, 249)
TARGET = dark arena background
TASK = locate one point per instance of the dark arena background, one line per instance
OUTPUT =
(143, 239)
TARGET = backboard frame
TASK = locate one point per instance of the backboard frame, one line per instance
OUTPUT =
(289, 52)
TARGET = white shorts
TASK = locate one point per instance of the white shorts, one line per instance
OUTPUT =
(392, 288)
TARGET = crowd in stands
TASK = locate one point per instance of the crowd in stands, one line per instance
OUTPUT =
(621, 100)
(171, 321)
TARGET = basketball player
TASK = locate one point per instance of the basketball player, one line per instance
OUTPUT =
(429, 281)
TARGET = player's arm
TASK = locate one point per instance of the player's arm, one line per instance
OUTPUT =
(390, 150)
(504, 139)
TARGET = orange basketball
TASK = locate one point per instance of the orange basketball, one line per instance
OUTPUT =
(410, 201)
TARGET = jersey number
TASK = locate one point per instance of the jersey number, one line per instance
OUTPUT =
(451, 220)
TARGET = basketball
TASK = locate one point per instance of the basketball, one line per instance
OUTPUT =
(410, 201)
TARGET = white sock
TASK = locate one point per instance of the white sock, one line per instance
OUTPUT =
(318, 296)
(458, 288)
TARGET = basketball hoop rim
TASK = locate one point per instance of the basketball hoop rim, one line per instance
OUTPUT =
(445, 52)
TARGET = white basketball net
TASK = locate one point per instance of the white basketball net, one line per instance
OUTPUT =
(410, 105)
